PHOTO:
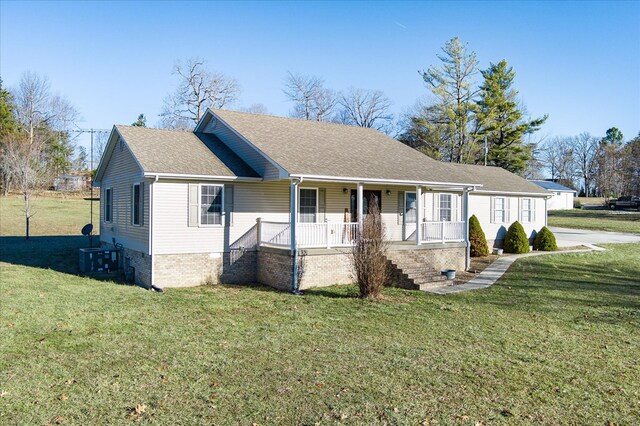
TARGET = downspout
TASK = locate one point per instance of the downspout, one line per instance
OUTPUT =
(293, 211)
(151, 185)
(467, 257)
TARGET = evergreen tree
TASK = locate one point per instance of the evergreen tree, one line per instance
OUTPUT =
(500, 120)
(516, 240)
(449, 117)
(613, 137)
(140, 122)
(8, 123)
(477, 239)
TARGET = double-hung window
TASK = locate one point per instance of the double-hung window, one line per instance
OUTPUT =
(211, 204)
(308, 205)
(136, 204)
(410, 210)
(526, 211)
(108, 204)
(499, 210)
(445, 207)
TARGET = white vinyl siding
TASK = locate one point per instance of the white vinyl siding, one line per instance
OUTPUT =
(121, 173)
(211, 202)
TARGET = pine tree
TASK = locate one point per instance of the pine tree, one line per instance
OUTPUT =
(450, 115)
(516, 240)
(140, 122)
(500, 120)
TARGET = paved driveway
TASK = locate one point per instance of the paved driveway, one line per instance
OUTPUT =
(567, 237)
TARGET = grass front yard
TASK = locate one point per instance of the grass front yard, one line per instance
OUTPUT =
(556, 341)
(599, 220)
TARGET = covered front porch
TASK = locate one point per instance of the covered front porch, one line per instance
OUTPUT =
(329, 213)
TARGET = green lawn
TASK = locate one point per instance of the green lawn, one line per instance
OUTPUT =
(600, 220)
(53, 214)
(556, 341)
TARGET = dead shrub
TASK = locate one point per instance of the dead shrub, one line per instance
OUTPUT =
(369, 254)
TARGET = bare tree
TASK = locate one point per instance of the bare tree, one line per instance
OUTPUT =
(198, 89)
(585, 148)
(312, 101)
(37, 109)
(369, 254)
(557, 156)
(26, 164)
(256, 108)
(365, 108)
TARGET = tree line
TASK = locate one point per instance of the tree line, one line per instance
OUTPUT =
(466, 115)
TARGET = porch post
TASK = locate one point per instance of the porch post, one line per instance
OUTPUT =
(360, 205)
(292, 227)
(419, 214)
(465, 216)
(293, 210)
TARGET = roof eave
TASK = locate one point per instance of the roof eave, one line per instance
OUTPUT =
(183, 176)
(382, 181)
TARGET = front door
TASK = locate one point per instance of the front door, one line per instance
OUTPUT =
(368, 196)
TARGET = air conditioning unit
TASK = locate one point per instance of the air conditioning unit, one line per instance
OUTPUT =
(99, 260)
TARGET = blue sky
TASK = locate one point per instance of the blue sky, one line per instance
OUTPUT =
(577, 61)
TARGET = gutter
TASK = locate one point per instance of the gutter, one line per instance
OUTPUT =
(201, 177)
(380, 181)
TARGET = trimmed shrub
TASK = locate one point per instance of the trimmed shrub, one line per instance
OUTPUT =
(545, 240)
(477, 239)
(516, 240)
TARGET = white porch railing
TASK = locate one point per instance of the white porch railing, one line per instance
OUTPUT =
(332, 234)
(443, 232)
(308, 235)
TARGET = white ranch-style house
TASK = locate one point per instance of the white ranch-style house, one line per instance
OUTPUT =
(256, 198)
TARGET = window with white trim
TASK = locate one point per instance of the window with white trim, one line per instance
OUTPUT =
(211, 202)
(499, 210)
(445, 208)
(410, 211)
(526, 210)
(308, 208)
(136, 205)
(108, 204)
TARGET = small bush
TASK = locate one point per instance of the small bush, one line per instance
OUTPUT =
(369, 255)
(577, 204)
(516, 240)
(477, 239)
(545, 240)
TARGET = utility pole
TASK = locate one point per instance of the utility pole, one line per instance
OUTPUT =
(486, 150)
(91, 131)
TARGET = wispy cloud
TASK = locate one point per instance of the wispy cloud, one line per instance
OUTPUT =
(400, 25)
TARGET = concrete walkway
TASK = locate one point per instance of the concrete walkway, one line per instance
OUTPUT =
(497, 269)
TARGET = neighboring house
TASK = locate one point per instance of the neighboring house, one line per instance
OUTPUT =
(71, 182)
(562, 197)
(256, 198)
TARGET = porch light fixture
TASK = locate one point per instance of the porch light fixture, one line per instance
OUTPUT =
(388, 192)
(345, 190)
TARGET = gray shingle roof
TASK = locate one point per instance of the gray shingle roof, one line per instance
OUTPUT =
(551, 186)
(178, 152)
(328, 149)
(497, 179)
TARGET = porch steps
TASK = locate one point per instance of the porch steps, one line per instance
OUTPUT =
(409, 272)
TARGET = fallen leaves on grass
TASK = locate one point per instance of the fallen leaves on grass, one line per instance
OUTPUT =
(10, 324)
(63, 397)
(137, 411)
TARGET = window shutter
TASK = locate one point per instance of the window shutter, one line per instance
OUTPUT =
(228, 205)
(400, 207)
(533, 209)
(507, 208)
(322, 204)
(436, 207)
(141, 208)
(455, 204)
(194, 205)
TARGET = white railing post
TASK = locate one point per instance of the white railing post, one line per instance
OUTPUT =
(259, 231)
(327, 233)
(293, 222)
(418, 214)
(442, 230)
(360, 200)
